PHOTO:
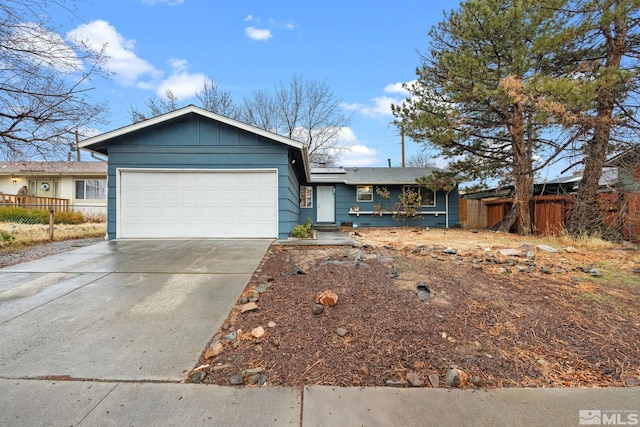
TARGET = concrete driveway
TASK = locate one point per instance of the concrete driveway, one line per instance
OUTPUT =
(120, 310)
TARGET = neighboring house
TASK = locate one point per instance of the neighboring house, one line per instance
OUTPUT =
(552, 201)
(194, 173)
(628, 167)
(80, 186)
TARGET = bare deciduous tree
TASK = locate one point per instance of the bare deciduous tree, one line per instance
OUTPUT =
(44, 83)
(307, 111)
(219, 101)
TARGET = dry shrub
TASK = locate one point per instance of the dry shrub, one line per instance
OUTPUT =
(591, 242)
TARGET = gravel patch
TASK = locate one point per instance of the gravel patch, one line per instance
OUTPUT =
(13, 256)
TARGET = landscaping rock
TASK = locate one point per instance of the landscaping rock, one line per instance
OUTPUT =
(252, 371)
(456, 377)
(571, 250)
(341, 332)
(423, 295)
(394, 273)
(253, 379)
(214, 350)
(595, 272)
(510, 252)
(236, 380)
(265, 279)
(231, 336)
(253, 294)
(262, 380)
(318, 309)
(423, 291)
(327, 298)
(434, 380)
(263, 287)
(530, 255)
(478, 381)
(250, 306)
(244, 300)
(414, 379)
(258, 332)
(394, 383)
(198, 377)
(545, 270)
(547, 248)
(449, 251)
(271, 324)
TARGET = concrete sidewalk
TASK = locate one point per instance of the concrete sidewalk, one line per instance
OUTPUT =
(73, 403)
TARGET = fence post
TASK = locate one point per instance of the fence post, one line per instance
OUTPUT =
(51, 224)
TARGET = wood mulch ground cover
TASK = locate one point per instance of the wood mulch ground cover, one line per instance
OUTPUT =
(551, 319)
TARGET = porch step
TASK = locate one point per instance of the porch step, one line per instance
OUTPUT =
(326, 227)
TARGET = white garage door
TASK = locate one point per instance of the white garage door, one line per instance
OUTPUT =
(192, 204)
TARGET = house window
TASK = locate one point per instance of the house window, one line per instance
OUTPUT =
(91, 189)
(428, 197)
(364, 193)
(306, 196)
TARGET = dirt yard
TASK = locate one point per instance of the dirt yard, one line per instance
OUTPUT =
(506, 311)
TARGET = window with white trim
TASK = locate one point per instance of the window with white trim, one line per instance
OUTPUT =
(364, 193)
(428, 196)
(306, 196)
(91, 189)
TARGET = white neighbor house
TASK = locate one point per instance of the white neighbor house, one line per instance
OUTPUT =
(82, 184)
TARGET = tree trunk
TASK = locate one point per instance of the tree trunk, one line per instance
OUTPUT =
(587, 217)
(521, 170)
(507, 222)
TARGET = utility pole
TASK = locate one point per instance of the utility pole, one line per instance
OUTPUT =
(402, 142)
(77, 145)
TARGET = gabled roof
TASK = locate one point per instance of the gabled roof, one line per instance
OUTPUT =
(53, 168)
(369, 176)
(609, 177)
(97, 143)
(620, 159)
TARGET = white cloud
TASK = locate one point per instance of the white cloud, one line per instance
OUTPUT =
(167, 2)
(351, 107)
(127, 67)
(257, 33)
(44, 47)
(358, 155)
(381, 107)
(398, 88)
(249, 18)
(182, 84)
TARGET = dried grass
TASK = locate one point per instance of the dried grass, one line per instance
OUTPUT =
(26, 234)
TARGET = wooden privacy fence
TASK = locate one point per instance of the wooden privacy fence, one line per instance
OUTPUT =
(549, 214)
(34, 202)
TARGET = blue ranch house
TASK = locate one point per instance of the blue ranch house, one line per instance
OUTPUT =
(192, 173)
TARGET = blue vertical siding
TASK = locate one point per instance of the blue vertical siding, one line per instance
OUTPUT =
(346, 200)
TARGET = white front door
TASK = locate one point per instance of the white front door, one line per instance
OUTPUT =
(326, 206)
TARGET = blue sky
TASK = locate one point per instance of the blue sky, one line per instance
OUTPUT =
(364, 50)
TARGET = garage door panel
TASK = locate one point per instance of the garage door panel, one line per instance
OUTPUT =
(174, 204)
